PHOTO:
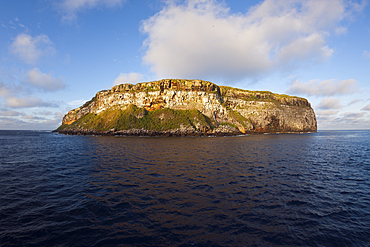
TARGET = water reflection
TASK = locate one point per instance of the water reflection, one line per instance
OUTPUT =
(226, 191)
(257, 190)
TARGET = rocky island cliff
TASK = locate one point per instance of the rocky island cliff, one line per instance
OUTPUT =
(174, 107)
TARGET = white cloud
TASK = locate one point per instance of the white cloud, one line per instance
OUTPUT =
(305, 48)
(355, 7)
(354, 101)
(366, 108)
(71, 7)
(13, 95)
(45, 113)
(324, 88)
(33, 117)
(346, 121)
(8, 123)
(11, 113)
(31, 49)
(43, 81)
(127, 78)
(59, 116)
(202, 39)
(326, 113)
(11, 123)
(24, 102)
(3, 91)
(329, 103)
(77, 102)
(366, 54)
(351, 115)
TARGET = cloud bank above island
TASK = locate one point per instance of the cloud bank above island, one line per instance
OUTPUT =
(203, 39)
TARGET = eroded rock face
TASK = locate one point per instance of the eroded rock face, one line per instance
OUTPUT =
(248, 111)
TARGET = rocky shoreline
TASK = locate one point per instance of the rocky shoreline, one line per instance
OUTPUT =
(168, 133)
(153, 133)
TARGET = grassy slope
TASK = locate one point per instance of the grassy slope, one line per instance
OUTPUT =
(134, 117)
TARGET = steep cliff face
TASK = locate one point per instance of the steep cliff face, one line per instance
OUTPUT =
(191, 105)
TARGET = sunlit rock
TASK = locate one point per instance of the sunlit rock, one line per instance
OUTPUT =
(188, 107)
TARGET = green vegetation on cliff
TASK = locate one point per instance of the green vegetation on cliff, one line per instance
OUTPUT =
(264, 96)
(134, 117)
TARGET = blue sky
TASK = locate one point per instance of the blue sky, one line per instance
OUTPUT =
(55, 55)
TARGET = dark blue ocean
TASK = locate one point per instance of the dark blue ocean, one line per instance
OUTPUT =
(256, 190)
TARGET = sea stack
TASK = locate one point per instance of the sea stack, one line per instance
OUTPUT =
(178, 107)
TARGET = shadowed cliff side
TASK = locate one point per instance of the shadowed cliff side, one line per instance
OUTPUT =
(188, 107)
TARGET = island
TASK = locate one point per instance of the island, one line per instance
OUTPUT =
(180, 107)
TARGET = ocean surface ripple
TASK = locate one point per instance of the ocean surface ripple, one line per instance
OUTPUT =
(255, 190)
